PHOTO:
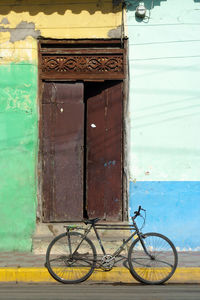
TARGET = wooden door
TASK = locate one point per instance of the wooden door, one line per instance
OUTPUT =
(78, 183)
(104, 150)
(62, 148)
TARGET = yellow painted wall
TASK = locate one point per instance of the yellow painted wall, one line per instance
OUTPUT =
(19, 51)
(65, 18)
(61, 19)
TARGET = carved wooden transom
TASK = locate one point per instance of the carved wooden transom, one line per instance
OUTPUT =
(92, 63)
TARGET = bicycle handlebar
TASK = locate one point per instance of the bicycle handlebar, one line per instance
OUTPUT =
(137, 213)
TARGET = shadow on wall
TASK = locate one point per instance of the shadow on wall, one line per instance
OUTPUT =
(132, 4)
(49, 7)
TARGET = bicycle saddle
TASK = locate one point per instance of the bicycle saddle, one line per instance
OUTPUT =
(91, 221)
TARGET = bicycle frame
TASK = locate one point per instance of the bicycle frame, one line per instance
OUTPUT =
(111, 227)
(103, 226)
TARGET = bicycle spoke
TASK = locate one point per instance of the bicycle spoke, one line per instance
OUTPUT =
(71, 263)
(156, 267)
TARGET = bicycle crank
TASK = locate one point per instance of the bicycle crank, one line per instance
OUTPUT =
(107, 262)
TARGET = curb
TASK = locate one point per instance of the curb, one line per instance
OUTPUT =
(182, 275)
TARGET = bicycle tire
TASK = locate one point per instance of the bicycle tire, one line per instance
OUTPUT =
(160, 267)
(67, 268)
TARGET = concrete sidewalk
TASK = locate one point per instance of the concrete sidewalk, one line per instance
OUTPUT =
(29, 267)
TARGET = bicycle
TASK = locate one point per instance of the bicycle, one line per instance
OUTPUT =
(71, 257)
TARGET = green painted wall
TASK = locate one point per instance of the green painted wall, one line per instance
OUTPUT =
(18, 147)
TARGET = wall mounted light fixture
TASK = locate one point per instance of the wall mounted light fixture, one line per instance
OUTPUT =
(140, 10)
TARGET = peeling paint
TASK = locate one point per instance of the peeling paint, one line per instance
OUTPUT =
(115, 33)
(110, 163)
(67, 20)
(19, 52)
(5, 21)
(22, 31)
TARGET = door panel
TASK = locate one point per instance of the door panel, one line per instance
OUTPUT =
(62, 147)
(104, 150)
(68, 189)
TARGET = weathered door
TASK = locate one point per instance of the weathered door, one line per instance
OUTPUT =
(104, 150)
(82, 150)
(62, 147)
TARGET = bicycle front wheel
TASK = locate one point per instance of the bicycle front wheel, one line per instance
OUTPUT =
(158, 264)
(70, 258)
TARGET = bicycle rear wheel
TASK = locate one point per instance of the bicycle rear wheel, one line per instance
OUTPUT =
(159, 265)
(69, 260)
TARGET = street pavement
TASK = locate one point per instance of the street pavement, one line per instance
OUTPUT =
(98, 292)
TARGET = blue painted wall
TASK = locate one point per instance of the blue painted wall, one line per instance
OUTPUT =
(172, 208)
(164, 117)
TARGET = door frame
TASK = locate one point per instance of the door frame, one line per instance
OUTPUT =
(107, 61)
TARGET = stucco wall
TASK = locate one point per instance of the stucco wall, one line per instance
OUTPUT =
(21, 23)
(164, 116)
